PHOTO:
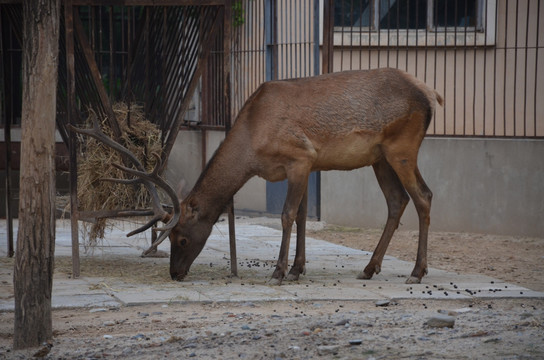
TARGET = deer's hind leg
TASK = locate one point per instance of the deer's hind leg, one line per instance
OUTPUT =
(397, 199)
(410, 177)
(300, 256)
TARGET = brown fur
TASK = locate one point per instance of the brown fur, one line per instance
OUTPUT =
(287, 129)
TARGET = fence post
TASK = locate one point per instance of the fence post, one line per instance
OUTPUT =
(227, 38)
(328, 36)
(271, 33)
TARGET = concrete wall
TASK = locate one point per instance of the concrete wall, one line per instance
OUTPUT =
(483, 186)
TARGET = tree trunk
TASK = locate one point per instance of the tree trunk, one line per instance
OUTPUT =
(33, 273)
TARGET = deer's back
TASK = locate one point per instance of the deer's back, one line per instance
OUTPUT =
(340, 119)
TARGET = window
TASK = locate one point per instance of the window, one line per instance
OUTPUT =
(352, 13)
(455, 14)
(442, 22)
(402, 14)
(407, 14)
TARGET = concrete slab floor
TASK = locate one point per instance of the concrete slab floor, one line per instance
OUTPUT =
(331, 272)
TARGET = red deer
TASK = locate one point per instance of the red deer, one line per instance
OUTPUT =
(289, 128)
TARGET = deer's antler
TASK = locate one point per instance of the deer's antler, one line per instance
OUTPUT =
(149, 180)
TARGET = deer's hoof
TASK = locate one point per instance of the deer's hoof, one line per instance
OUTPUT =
(292, 277)
(178, 277)
(274, 282)
(364, 276)
(295, 272)
(369, 271)
(413, 280)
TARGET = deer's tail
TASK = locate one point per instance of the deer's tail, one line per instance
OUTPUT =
(439, 98)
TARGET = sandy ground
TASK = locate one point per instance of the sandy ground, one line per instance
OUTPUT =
(485, 329)
(512, 259)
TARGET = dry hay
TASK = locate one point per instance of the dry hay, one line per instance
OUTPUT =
(96, 160)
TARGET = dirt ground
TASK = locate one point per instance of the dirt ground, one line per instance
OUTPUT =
(483, 329)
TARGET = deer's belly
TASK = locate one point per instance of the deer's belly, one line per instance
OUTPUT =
(351, 152)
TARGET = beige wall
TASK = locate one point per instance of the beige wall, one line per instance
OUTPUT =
(491, 88)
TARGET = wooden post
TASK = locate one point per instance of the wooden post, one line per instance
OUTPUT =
(72, 142)
(35, 252)
(227, 35)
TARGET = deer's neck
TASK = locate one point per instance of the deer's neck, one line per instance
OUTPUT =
(226, 172)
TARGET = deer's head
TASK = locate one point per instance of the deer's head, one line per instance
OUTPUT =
(187, 239)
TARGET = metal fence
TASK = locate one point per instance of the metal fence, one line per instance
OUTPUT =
(484, 56)
(273, 40)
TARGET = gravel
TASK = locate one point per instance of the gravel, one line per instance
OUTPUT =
(504, 328)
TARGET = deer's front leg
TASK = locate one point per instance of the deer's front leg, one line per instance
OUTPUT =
(296, 188)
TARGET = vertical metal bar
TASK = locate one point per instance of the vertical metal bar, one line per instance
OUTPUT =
(504, 70)
(303, 9)
(515, 69)
(426, 47)
(495, 74)
(379, 30)
(289, 38)
(227, 36)
(283, 50)
(525, 68)
(124, 19)
(408, 30)
(98, 49)
(416, 51)
(397, 45)
(343, 13)
(371, 21)
(72, 146)
(328, 36)
(484, 69)
(536, 65)
(316, 72)
(147, 75)
(7, 142)
(361, 36)
(465, 73)
(111, 50)
(262, 42)
(455, 72)
(9, 215)
(474, 68)
(270, 40)
(445, 61)
(289, 34)
(389, 35)
(255, 37)
(296, 32)
(351, 37)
